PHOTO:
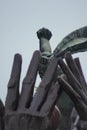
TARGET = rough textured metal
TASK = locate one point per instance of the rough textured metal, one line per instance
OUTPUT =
(74, 42)
(32, 111)
(74, 84)
(26, 111)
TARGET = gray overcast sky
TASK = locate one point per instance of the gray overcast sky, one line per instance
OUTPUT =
(19, 21)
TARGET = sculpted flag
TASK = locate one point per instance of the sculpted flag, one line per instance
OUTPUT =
(74, 42)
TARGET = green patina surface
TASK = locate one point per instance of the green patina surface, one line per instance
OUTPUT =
(74, 42)
(65, 105)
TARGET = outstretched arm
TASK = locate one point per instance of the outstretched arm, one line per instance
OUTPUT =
(73, 82)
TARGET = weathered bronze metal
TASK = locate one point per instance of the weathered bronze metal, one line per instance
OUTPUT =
(74, 42)
(74, 84)
(26, 111)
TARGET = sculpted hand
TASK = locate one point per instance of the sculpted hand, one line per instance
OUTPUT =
(74, 84)
(31, 111)
(44, 33)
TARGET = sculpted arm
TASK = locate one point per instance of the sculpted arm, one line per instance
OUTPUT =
(74, 84)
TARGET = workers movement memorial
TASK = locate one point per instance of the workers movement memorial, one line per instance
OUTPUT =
(60, 101)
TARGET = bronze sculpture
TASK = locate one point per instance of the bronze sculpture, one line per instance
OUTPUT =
(74, 42)
(26, 111)
(74, 84)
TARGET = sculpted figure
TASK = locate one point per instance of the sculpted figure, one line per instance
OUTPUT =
(27, 110)
(74, 42)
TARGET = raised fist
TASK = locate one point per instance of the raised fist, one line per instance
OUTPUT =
(44, 33)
